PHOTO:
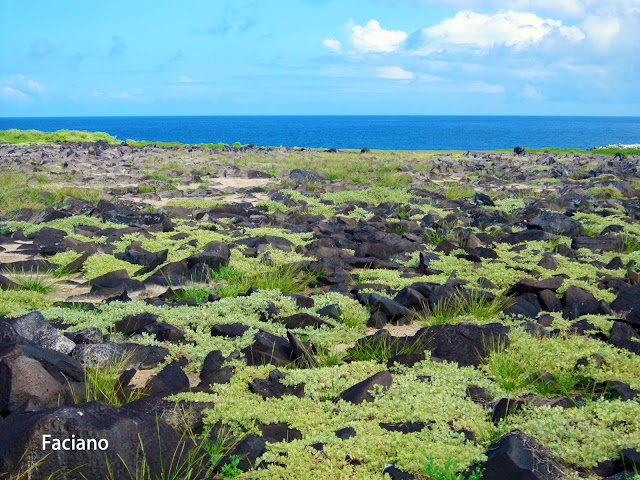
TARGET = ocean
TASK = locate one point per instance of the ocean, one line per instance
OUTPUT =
(375, 132)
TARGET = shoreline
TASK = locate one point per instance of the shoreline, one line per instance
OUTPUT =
(18, 136)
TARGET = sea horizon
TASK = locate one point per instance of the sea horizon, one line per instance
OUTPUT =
(382, 132)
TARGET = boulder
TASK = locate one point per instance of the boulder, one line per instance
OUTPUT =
(482, 200)
(392, 309)
(424, 261)
(579, 302)
(624, 336)
(627, 304)
(360, 392)
(517, 456)
(301, 352)
(6, 284)
(464, 343)
(268, 349)
(128, 436)
(132, 324)
(557, 224)
(127, 355)
(214, 254)
(231, 330)
(305, 176)
(213, 369)
(530, 285)
(332, 311)
(272, 387)
(118, 279)
(519, 150)
(249, 449)
(165, 332)
(21, 378)
(35, 328)
(171, 379)
(139, 256)
(302, 320)
(603, 243)
(410, 298)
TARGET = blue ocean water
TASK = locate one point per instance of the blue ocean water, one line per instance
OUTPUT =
(379, 132)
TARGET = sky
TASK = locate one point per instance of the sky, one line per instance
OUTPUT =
(319, 57)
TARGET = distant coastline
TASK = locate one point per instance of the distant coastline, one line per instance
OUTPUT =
(354, 132)
(16, 136)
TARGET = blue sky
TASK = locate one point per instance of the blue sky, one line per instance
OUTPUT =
(319, 57)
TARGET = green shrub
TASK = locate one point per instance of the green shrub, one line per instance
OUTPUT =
(230, 470)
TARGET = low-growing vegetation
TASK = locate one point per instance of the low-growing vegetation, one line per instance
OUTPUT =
(278, 280)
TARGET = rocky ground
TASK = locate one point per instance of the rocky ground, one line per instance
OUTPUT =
(303, 314)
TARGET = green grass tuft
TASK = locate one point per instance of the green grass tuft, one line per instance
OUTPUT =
(449, 471)
(473, 304)
(102, 384)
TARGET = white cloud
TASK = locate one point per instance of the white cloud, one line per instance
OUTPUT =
(19, 88)
(563, 8)
(602, 30)
(332, 44)
(530, 92)
(10, 93)
(573, 33)
(517, 30)
(184, 79)
(373, 39)
(23, 83)
(395, 73)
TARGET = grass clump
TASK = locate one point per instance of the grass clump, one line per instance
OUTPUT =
(101, 383)
(379, 350)
(217, 446)
(454, 192)
(287, 278)
(631, 243)
(467, 304)
(449, 471)
(35, 283)
(198, 293)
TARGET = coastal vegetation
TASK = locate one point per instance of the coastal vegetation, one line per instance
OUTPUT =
(309, 314)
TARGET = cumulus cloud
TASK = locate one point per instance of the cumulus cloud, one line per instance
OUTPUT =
(395, 73)
(563, 8)
(184, 79)
(602, 30)
(374, 39)
(517, 30)
(332, 44)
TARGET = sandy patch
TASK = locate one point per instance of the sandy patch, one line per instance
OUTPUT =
(394, 330)
(12, 254)
(225, 185)
(141, 378)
